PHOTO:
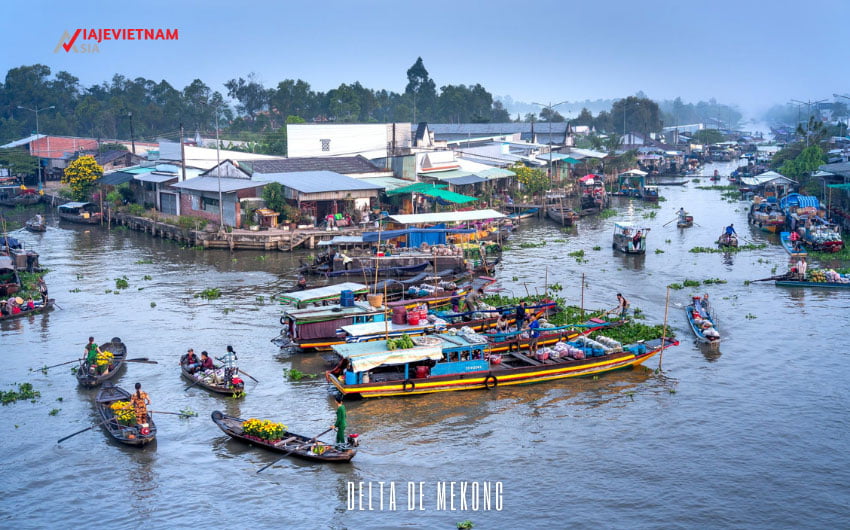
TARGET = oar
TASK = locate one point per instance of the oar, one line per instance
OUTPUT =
(780, 277)
(55, 365)
(59, 306)
(140, 360)
(183, 414)
(670, 221)
(193, 384)
(84, 430)
(241, 371)
(294, 449)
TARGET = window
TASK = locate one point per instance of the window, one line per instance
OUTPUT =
(210, 205)
(326, 144)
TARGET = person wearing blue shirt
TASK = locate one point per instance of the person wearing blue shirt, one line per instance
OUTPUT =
(534, 334)
(731, 230)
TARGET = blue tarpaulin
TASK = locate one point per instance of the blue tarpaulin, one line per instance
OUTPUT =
(416, 236)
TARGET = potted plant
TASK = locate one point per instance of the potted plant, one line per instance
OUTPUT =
(293, 215)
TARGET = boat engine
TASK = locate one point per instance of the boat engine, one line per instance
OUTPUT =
(353, 440)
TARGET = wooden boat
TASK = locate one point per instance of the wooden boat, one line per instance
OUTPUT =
(727, 240)
(197, 379)
(13, 196)
(796, 251)
(528, 213)
(562, 215)
(33, 225)
(696, 319)
(657, 182)
(768, 216)
(801, 283)
(292, 444)
(624, 238)
(369, 370)
(119, 352)
(687, 222)
(80, 212)
(321, 295)
(39, 308)
(137, 435)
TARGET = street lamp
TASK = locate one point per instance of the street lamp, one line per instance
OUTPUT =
(551, 107)
(36, 111)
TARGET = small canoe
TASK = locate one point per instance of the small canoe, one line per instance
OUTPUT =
(34, 226)
(798, 252)
(696, 321)
(198, 379)
(295, 445)
(39, 308)
(126, 434)
(687, 223)
(119, 352)
(728, 241)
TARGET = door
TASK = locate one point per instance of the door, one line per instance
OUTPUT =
(168, 203)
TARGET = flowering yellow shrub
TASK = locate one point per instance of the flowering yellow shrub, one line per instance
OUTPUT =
(81, 174)
(104, 358)
(124, 412)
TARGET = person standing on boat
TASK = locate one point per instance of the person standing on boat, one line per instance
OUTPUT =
(682, 215)
(622, 308)
(533, 334)
(340, 423)
(229, 359)
(520, 315)
(730, 230)
(636, 240)
(801, 268)
(91, 352)
(140, 401)
(42, 290)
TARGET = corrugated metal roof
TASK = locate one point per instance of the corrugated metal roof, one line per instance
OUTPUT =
(498, 128)
(158, 178)
(115, 178)
(75, 204)
(447, 217)
(228, 185)
(767, 177)
(23, 141)
(338, 164)
(443, 175)
(496, 173)
(317, 181)
(463, 181)
(388, 183)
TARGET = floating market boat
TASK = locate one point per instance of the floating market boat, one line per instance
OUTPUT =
(39, 308)
(795, 250)
(442, 363)
(828, 279)
(727, 240)
(138, 435)
(686, 222)
(562, 215)
(94, 377)
(701, 323)
(205, 380)
(823, 238)
(766, 214)
(627, 240)
(36, 225)
(13, 196)
(296, 445)
(404, 270)
(321, 295)
(79, 212)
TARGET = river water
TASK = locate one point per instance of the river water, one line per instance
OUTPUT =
(752, 435)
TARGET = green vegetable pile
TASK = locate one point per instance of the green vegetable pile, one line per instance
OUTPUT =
(402, 343)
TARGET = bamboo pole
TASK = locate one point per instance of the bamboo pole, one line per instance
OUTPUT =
(664, 330)
(582, 296)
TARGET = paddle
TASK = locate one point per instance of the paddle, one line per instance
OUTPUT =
(780, 277)
(294, 449)
(241, 371)
(182, 414)
(140, 360)
(55, 365)
(193, 384)
(84, 430)
(670, 221)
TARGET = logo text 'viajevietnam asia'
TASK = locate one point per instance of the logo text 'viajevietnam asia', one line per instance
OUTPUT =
(86, 40)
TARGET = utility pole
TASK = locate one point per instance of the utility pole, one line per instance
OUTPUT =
(551, 108)
(809, 117)
(133, 136)
(182, 152)
(37, 110)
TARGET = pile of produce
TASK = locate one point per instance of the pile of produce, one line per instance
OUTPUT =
(124, 412)
(402, 343)
(263, 429)
(828, 275)
(104, 358)
(823, 236)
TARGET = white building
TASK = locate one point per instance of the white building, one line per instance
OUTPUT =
(371, 140)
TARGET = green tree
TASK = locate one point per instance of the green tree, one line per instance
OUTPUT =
(641, 115)
(251, 95)
(552, 115)
(584, 118)
(534, 181)
(708, 136)
(422, 90)
(274, 197)
(18, 162)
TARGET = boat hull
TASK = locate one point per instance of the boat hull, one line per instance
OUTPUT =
(695, 328)
(499, 375)
(824, 285)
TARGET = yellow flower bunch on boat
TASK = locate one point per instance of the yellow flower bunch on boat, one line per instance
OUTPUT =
(124, 412)
(104, 358)
(263, 429)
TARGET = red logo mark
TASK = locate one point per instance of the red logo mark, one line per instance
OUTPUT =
(70, 43)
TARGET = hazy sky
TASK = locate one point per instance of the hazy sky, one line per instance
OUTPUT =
(754, 53)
